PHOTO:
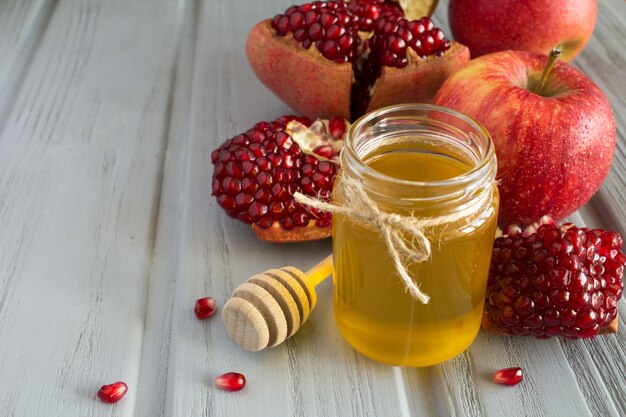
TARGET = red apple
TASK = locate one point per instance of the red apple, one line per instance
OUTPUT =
(487, 26)
(554, 146)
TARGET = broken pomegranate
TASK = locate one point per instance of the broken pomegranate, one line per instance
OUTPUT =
(231, 381)
(257, 172)
(205, 307)
(508, 376)
(112, 393)
(345, 58)
(554, 281)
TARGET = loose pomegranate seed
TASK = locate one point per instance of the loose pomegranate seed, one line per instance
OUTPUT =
(112, 393)
(508, 376)
(231, 381)
(205, 307)
(551, 281)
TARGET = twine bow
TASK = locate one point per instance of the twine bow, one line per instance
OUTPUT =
(393, 228)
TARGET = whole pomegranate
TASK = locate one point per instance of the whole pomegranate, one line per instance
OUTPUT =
(345, 58)
(257, 172)
(554, 281)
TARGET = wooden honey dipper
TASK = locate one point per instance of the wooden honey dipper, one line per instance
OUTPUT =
(270, 307)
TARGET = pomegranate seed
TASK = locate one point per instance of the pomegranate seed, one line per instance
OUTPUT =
(301, 218)
(323, 222)
(264, 223)
(231, 381)
(227, 202)
(316, 32)
(337, 127)
(296, 21)
(287, 223)
(205, 307)
(282, 25)
(310, 18)
(330, 50)
(327, 20)
(300, 35)
(262, 196)
(257, 210)
(334, 32)
(325, 151)
(508, 376)
(112, 393)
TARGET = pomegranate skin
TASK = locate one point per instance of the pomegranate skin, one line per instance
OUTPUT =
(487, 26)
(419, 81)
(554, 151)
(302, 78)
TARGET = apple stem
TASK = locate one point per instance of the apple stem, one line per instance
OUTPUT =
(555, 53)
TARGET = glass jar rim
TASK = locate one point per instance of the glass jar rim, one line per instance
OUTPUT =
(475, 173)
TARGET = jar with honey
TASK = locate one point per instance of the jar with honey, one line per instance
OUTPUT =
(425, 162)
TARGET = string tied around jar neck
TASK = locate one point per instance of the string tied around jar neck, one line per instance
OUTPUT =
(393, 228)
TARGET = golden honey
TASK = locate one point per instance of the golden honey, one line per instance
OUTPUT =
(419, 171)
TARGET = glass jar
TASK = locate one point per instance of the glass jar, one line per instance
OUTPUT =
(427, 162)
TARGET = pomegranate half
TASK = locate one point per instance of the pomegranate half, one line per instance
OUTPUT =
(343, 59)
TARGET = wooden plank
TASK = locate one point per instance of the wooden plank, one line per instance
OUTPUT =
(22, 24)
(159, 358)
(604, 61)
(80, 163)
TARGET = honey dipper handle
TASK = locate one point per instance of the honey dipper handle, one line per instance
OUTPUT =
(320, 271)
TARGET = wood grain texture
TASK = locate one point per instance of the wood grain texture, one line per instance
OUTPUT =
(108, 113)
(22, 25)
(80, 163)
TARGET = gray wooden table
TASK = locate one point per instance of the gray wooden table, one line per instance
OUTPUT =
(108, 112)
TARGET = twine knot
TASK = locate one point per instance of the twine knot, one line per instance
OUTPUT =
(403, 235)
